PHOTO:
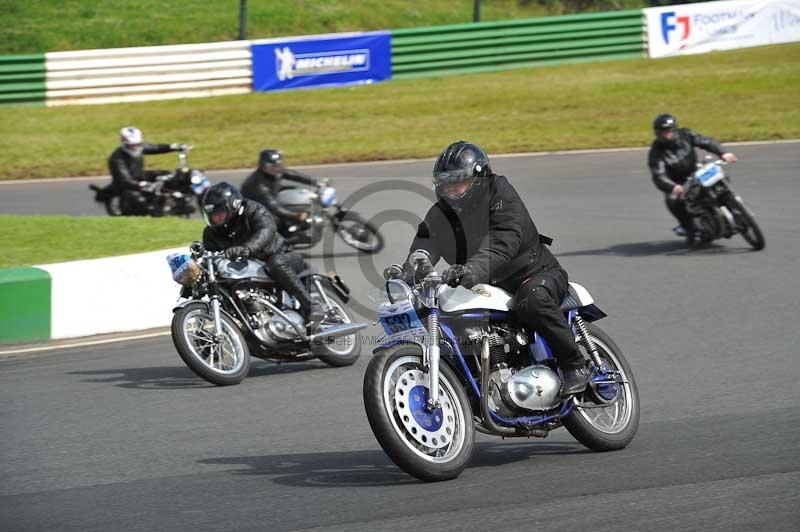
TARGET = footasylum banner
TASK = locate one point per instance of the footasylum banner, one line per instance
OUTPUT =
(705, 27)
(321, 60)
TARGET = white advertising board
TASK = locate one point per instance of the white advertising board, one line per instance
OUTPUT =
(708, 26)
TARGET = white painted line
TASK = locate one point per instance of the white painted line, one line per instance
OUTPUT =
(403, 161)
(82, 344)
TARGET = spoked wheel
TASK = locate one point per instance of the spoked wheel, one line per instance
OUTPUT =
(429, 444)
(358, 233)
(344, 350)
(609, 415)
(222, 363)
(746, 223)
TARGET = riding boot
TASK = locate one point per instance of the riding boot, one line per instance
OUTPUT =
(538, 300)
(281, 271)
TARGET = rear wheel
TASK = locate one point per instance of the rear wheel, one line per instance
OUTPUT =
(358, 233)
(113, 206)
(344, 350)
(610, 416)
(746, 223)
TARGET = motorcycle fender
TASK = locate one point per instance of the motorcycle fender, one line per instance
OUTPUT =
(338, 286)
(591, 313)
(189, 302)
(388, 345)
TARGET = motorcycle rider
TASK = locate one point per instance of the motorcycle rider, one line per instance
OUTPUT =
(481, 227)
(243, 229)
(672, 159)
(126, 164)
(271, 176)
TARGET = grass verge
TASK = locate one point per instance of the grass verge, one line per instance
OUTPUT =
(35, 26)
(738, 95)
(30, 240)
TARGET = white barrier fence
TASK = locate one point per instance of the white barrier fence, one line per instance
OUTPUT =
(148, 73)
(705, 27)
(114, 294)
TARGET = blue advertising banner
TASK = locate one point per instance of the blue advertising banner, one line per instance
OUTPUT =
(321, 60)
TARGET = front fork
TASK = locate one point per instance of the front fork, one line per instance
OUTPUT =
(215, 301)
(431, 356)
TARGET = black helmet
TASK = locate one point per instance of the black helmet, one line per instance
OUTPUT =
(460, 162)
(662, 124)
(222, 205)
(270, 162)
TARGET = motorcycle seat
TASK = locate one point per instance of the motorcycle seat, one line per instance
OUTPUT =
(310, 270)
(577, 297)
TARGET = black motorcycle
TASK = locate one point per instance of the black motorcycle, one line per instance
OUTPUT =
(717, 212)
(170, 194)
(233, 310)
(318, 209)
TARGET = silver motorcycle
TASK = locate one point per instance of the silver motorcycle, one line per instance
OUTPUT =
(233, 310)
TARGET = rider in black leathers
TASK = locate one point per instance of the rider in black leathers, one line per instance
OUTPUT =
(481, 227)
(243, 229)
(126, 165)
(672, 159)
(264, 183)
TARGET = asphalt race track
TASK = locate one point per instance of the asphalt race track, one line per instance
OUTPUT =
(123, 436)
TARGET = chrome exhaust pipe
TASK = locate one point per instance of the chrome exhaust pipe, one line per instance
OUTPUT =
(337, 331)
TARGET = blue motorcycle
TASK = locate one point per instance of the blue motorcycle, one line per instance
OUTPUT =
(454, 361)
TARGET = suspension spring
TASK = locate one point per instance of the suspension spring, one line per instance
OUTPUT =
(323, 295)
(433, 328)
(583, 333)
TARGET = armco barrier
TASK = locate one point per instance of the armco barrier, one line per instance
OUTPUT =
(460, 48)
(24, 304)
(148, 73)
(22, 79)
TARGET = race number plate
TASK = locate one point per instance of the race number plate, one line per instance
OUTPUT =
(400, 321)
(199, 188)
(709, 174)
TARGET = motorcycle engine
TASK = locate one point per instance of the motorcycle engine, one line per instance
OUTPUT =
(514, 383)
(269, 327)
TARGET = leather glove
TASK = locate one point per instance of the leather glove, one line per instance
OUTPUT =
(237, 252)
(459, 275)
(420, 264)
(175, 146)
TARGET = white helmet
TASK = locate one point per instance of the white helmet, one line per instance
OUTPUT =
(131, 139)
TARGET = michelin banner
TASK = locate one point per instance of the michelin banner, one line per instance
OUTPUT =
(705, 27)
(321, 60)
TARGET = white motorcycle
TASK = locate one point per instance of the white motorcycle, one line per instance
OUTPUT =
(455, 361)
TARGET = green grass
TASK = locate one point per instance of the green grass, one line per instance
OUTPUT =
(34, 26)
(738, 95)
(47, 239)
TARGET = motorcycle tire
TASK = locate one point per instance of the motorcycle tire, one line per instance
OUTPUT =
(752, 232)
(349, 223)
(612, 427)
(431, 446)
(344, 351)
(200, 358)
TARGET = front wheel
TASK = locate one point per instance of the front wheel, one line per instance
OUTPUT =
(610, 416)
(746, 223)
(357, 232)
(222, 363)
(431, 445)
